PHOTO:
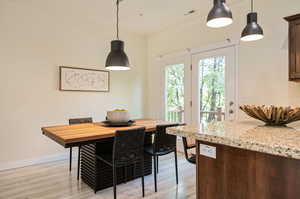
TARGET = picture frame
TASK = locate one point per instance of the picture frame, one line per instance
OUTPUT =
(83, 79)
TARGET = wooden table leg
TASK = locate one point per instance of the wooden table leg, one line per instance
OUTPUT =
(70, 164)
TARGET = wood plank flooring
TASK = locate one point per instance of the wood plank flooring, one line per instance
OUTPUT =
(53, 181)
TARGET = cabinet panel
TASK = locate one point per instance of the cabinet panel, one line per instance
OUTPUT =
(297, 45)
(242, 174)
(294, 47)
(292, 50)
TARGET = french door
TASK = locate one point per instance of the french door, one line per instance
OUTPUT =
(200, 87)
(213, 85)
(176, 96)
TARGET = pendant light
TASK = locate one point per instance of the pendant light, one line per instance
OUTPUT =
(252, 31)
(117, 58)
(220, 15)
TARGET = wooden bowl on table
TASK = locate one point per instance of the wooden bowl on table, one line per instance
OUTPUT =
(272, 115)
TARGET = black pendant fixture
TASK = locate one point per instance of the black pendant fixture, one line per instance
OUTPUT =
(117, 58)
(252, 31)
(220, 15)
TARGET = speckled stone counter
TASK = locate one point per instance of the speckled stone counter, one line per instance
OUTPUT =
(249, 135)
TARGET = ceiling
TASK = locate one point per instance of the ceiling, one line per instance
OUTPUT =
(141, 16)
(150, 16)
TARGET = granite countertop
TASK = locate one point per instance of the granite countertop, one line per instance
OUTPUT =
(250, 135)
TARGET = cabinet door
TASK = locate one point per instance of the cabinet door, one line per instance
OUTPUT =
(295, 49)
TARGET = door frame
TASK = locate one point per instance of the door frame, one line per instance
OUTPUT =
(230, 83)
(169, 60)
(186, 57)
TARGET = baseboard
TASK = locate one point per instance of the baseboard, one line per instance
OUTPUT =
(49, 158)
(25, 163)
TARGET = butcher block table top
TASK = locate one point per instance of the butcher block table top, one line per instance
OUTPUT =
(71, 135)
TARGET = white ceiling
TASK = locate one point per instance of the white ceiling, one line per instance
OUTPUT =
(159, 14)
(156, 14)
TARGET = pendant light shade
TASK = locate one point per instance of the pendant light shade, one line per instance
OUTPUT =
(117, 58)
(220, 15)
(252, 31)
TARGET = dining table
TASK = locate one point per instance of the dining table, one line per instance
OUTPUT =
(95, 138)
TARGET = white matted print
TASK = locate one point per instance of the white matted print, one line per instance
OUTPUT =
(81, 79)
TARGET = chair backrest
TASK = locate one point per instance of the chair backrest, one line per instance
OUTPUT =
(162, 140)
(81, 120)
(128, 146)
(188, 144)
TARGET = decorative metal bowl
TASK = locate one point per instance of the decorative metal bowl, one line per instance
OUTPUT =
(272, 115)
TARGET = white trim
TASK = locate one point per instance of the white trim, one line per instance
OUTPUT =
(224, 44)
(186, 56)
(163, 96)
(221, 45)
(170, 56)
(30, 162)
(169, 60)
(229, 50)
(190, 51)
(236, 81)
(188, 90)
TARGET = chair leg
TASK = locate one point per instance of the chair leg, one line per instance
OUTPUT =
(157, 164)
(70, 164)
(115, 181)
(125, 174)
(78, 163)
(155, 180)
(176, 166)
(134, 170)
(143, 183)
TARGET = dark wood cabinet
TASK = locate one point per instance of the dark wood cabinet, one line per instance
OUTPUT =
(243, 174)
(294, 47)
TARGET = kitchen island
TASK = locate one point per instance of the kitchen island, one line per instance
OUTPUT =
(245, 160)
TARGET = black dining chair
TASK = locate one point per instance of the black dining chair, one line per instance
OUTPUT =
(128, 149)
(163, 144)
(78, 121)
(188, 145)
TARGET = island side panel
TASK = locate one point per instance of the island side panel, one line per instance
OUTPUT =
(243, 174)
(230, 175)
(277, 177)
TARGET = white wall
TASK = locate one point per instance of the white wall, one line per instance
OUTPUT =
(263, 65)
(36, 37)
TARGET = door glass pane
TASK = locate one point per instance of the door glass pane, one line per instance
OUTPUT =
(175, 93)
(212, 89)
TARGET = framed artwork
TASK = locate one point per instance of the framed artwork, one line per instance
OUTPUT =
(83, 79)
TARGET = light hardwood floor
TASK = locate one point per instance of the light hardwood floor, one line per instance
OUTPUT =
(53, 181)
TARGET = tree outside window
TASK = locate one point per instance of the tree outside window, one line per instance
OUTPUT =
(175, 92)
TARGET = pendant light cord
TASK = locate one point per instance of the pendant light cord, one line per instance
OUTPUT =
(118, 19)
(251, 5)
